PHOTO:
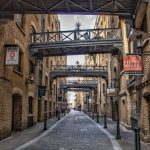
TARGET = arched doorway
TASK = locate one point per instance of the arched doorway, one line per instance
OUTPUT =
(16, 112)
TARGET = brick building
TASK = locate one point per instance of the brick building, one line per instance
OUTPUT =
(20, 106)
(134, 92)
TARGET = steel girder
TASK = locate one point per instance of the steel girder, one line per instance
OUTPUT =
(78, 71)
(76, 42)
(125, 8)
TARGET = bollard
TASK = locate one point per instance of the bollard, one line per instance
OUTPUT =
(118, 136)
(45, 121)
(105, 121)
(137, 138)
(97, 118)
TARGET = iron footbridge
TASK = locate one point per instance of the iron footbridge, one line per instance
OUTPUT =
(77, 71)
(76, 42)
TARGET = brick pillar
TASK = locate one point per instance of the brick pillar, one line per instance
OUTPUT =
(5, 108)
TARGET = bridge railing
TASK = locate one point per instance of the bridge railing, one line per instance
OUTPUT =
(79, 68)
(70, 82)
(75, 35)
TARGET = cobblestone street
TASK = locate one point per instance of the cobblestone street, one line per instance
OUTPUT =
(75, 132)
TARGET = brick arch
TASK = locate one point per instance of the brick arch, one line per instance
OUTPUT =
(31, 94)
(17, 91)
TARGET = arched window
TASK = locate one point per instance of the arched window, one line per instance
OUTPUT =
(33, 31)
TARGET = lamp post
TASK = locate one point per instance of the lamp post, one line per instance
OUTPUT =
(137, 129)
(117, 56)
(105, 115)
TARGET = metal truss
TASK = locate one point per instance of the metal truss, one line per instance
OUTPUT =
(76, 42)
(78, 71)
(125, 8)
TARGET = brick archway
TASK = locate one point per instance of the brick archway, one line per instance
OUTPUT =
(16, 112)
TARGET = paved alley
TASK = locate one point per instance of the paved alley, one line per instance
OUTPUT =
(75, 132)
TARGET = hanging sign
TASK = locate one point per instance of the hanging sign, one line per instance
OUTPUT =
(111, 92)
(132, 64)
(12, 56)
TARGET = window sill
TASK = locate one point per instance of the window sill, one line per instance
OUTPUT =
(19, 73)
(20, 28)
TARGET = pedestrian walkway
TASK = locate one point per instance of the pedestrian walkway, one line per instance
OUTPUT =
(24, 136)
(75, 132)
(127, 141)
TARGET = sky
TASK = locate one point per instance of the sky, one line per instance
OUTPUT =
(67, 22)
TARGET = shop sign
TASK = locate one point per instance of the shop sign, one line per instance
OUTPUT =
(12, 56)
(132, 64)
(110, 92)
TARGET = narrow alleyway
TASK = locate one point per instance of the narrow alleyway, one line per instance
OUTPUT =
(75, 132)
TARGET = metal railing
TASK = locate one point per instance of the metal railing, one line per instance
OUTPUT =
(75, 36)
(77, 68)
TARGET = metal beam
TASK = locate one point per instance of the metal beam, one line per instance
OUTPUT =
(126, 8)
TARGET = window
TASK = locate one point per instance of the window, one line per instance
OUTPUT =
(103, 88)
(30, 105)
(144, 24)
(33, 31)
(19, 20)
(47, 61)
(40, 72)
(19, 66)
(31, 68)
(42, 23)
(54, 89)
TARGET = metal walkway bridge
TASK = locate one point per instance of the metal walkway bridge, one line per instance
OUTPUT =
(77, 71)
(76, 42)
(124, 8)
(91, 84)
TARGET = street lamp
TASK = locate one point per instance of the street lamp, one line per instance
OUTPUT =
(137, 129)
(118, 136)
(105, 115)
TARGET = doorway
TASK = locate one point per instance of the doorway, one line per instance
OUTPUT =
(16, 112)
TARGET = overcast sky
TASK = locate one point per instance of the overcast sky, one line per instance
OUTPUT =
(68, 22)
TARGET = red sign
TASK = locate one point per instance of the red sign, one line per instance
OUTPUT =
(132, 64)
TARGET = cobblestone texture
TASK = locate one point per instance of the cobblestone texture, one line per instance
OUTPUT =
(127, 141)
(75, 132)
(22, 137)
